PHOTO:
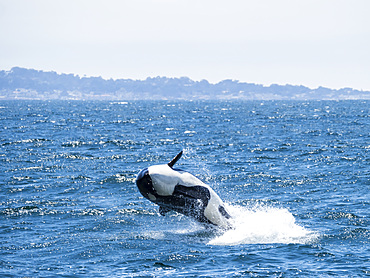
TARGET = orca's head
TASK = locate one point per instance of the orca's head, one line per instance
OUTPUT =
(145, 184)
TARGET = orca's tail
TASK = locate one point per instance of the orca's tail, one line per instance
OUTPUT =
(175, 159)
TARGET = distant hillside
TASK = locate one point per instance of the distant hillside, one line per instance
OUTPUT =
(21, 83)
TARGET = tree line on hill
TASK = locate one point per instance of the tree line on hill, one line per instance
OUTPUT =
(22, 83)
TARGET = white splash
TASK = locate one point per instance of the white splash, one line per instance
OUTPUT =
(263, 225)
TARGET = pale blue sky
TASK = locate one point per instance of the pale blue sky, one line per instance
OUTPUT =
(301, 42)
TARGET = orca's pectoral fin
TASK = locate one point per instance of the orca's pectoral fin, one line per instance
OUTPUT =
(175, 159)
(163, 210)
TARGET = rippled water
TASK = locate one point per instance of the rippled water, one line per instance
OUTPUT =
(295, 177)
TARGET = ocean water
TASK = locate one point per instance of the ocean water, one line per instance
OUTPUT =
(294, 175)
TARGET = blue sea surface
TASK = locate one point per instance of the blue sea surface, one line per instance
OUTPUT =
(295, 176)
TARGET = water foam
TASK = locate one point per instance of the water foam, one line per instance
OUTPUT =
(263, 225)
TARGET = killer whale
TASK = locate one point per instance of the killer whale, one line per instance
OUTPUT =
(177, 190)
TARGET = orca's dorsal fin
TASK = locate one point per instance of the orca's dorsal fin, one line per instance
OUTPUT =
(175, 159)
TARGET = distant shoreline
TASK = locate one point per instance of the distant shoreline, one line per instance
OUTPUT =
(30, 84)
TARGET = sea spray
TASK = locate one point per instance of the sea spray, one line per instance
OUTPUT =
(262, 224)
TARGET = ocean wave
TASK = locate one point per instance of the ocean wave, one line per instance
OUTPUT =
(25, 141)
(132, 211)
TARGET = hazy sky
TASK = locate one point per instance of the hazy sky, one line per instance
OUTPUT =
(300, 42)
